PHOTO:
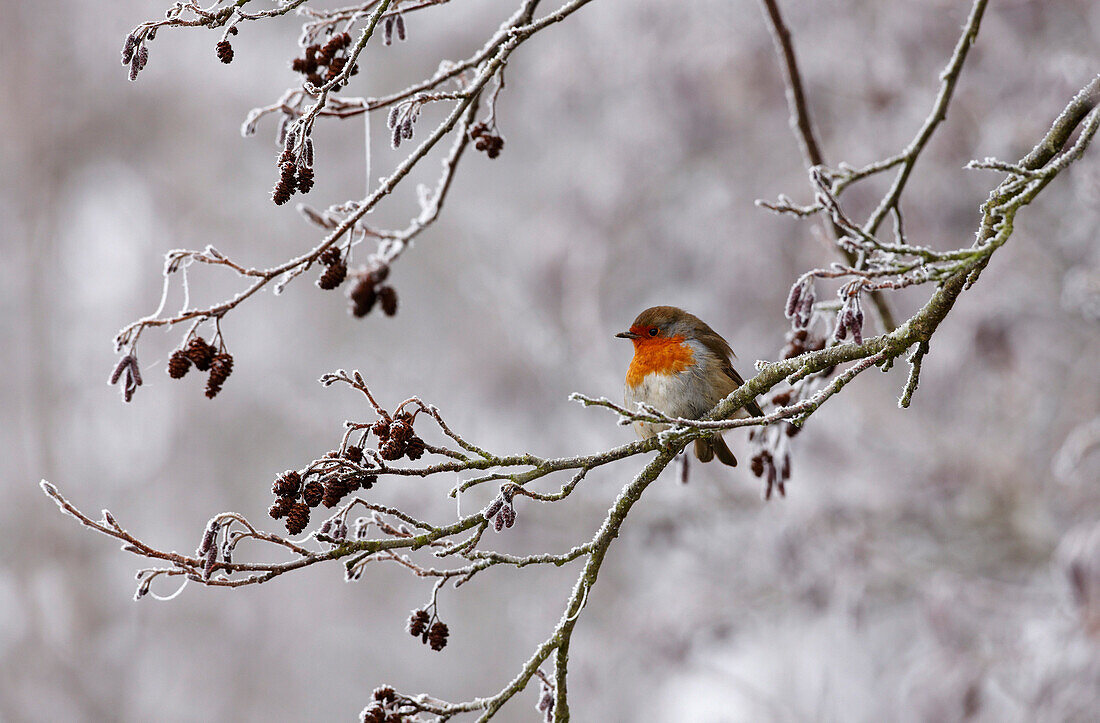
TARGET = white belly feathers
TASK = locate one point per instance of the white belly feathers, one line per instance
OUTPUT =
(668, 393)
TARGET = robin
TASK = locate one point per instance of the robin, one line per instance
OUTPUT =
(682, 368)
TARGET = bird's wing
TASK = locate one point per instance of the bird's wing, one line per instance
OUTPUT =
(721, 348)
(752, 407)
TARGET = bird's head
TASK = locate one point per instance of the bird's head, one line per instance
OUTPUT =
(659, 325)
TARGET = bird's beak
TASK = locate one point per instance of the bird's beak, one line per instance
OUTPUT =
(628, 335)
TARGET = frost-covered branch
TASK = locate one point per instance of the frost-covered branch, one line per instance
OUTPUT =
(328, 62)
(826, 348)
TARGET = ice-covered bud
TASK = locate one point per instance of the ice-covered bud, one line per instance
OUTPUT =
(806, 307)
(492, 509)
(361, 526)
(508, 513)
(143, 589)
(280, 130)
(211, 560)
(546, 702)
(855, 322)
(793, 299)
(128, 48)
(841, 330)
(850, 318)
(134, 68)
(207, 538)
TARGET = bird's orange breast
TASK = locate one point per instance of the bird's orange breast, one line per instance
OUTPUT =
(658, 356)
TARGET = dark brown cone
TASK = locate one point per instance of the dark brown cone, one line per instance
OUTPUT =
(288, 484)
(335, 67)
(336, 489)
(331, 47)
(367, 481)
(297, 518)
(414, 450)
(437, 636)
(757, 464)
(418, 622)
(401, 431)
(362, 297)
(312, 493)
(281, 193)
(384, 694)
(379, 272)
(178, 364)
(507, 515)
(329, 256)
(333, 276)
(220, 369)
(225, 51)
(388, 298)
(381, 429)
(374, 714)
(355, 454)
(391, 450)
(280, 508)
(200, 353)
(305, 179)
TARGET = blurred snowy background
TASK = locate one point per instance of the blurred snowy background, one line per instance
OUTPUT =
(931, 564)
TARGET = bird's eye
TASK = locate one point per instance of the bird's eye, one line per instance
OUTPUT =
(653, 331)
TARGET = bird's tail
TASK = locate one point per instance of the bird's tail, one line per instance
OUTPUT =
(706, 449)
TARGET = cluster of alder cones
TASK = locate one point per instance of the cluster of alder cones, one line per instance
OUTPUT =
(293, 176)
(336, 269)
(431, 632)
(385, 708)
(775, 473)
(487, 141)
(204, 357)
(224, 49)
(321, 64)
(295, 496)
(396, 438)
(368, 289)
